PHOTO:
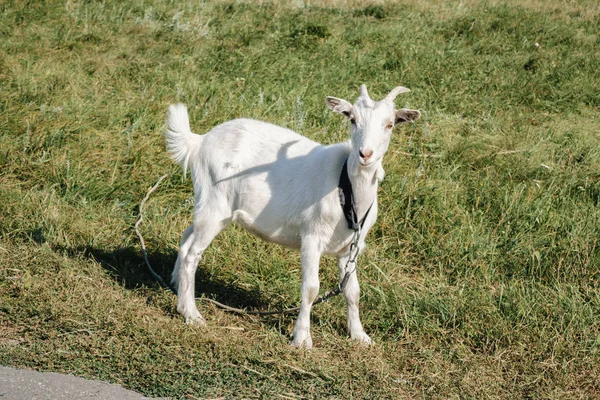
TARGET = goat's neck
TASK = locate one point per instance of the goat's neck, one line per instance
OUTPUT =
(364, 184)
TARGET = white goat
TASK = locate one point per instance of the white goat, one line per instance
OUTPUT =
(283, 187)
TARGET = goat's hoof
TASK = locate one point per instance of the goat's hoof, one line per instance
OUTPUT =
(362, 338)
(195, 320)
(302, 343)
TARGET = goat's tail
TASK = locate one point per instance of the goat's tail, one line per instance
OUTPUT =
(181, 141)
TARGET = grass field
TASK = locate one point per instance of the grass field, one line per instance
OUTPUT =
(482, 276)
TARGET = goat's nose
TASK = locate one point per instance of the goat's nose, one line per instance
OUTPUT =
(365, 154)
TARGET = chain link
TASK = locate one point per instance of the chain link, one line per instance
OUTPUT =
(351, 259)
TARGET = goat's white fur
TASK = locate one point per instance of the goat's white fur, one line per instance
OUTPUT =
(283, 188)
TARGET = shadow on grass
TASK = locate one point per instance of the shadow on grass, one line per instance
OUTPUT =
(128, 267)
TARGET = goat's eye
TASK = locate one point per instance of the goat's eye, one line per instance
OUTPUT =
(389, 125)
(352, 121)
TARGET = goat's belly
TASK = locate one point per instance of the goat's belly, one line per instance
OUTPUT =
(270, 231)
(334, 241)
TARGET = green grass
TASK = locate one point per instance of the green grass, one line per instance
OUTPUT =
(481, 279)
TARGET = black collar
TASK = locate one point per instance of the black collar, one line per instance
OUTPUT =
(347, 201)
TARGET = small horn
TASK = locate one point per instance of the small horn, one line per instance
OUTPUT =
(363, 90)
(395, 92)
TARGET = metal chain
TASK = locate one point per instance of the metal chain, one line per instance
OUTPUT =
(351, 259)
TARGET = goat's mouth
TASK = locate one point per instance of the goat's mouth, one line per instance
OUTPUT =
(366, 164)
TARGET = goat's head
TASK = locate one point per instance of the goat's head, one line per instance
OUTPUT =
(372, 122)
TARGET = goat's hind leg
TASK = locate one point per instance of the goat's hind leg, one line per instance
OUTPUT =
(183, 280)
(194, 241)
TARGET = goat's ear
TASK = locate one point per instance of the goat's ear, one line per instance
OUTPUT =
(339, 105)
(407, 115)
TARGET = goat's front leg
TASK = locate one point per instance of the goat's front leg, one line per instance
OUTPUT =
(310, 255)
(352, 295)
